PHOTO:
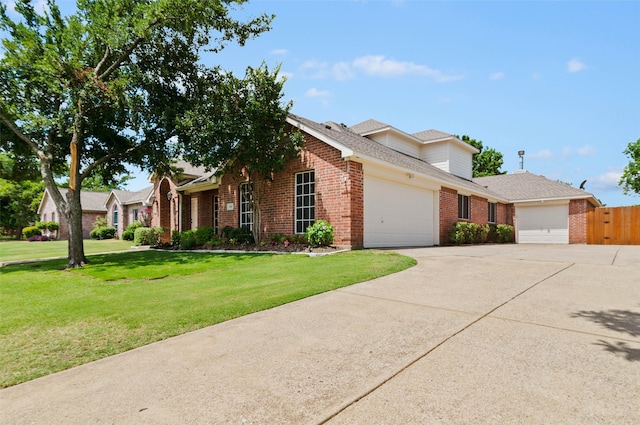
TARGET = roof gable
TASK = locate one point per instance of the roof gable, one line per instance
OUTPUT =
(90, 201)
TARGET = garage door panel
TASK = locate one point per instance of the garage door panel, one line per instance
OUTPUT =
(543, 224)
(396, 214)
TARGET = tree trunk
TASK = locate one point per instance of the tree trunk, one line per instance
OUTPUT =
(76, 257)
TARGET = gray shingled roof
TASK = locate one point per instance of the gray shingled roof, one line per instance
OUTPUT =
(126, 197)
(432, 135)
(90, 201)
(190, 170)
(525, 186)
(367, 147)
(368, 126)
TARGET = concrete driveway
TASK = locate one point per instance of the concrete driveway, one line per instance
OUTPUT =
(471, 335)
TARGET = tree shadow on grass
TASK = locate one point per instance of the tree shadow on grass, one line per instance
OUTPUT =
(624, 321)
(130, 259)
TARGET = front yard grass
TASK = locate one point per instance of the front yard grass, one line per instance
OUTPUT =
(12, 250)
(53, 319)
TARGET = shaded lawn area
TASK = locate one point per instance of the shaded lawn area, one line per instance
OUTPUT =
(53, 319)
(12, 250)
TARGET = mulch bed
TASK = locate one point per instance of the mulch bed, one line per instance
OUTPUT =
(291, 248)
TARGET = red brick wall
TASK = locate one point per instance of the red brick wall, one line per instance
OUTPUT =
(448, 212)
(578, 210)
(339, 195)
(479, 207)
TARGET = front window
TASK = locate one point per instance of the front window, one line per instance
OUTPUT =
(135, 214)
(492, 212)
(305, 200)
(246, 207)
(463, 207)
(115, 219)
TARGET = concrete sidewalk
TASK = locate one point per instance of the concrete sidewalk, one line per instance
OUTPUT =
(479, 334)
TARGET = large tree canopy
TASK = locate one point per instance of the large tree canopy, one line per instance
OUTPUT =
(488, 162)
(107, 84)
(630, 180)
(254, 141)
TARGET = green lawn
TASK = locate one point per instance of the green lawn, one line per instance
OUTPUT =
(53, 319)
(23, 250)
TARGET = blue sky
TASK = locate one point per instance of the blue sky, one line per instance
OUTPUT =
(557, 79)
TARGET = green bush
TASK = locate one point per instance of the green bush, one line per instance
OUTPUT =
(466, 233)
(102, 233)
(145, 236)
(52, 226)
(129, 232)
(175, 239)
(204, 234)
(187, 239)
(505, 233)
(319, 233)
(41, 225)
(242, 236)
(29, 231)
(100, 222)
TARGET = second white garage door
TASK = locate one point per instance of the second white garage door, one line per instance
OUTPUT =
(396, 214)
(542, 224)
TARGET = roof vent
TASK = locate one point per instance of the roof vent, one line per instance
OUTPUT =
(327, 126)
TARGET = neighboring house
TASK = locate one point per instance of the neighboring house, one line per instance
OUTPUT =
(124, 207)
(377, 185)
(93, 205)
(546, 211)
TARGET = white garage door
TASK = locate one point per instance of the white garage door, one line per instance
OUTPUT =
(543, 224)
(396, 214)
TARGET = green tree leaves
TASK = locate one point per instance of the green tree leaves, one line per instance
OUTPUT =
(630, 180)
(487, 162)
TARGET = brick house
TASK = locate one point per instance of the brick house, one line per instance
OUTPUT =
(377, 186)
(93, 205)
(124, 207)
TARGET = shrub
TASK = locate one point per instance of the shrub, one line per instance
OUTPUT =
(145, 236)
(52, 226)
(100, 222)
(319, 233)
(175, 239)
(243, 235)
(187, 239)
(102, 233)
(204, 234)
(465, 233)
(129, 232)
(276, 239)
(41, 225)
(31, 231)
(505, 233)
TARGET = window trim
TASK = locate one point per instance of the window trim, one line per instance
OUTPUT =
(492, 217)
(300, 222)
(243, 204)
(464, 207)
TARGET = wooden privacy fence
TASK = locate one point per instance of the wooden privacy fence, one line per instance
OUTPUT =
(614, 226)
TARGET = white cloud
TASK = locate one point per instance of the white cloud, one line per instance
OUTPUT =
(342, 71)
(374, 66)
(607, 181)
(496, 76)
(575, 65)
(380, 66)
(314, 92)
(586, 150)
(279, 52)
(543, 154)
